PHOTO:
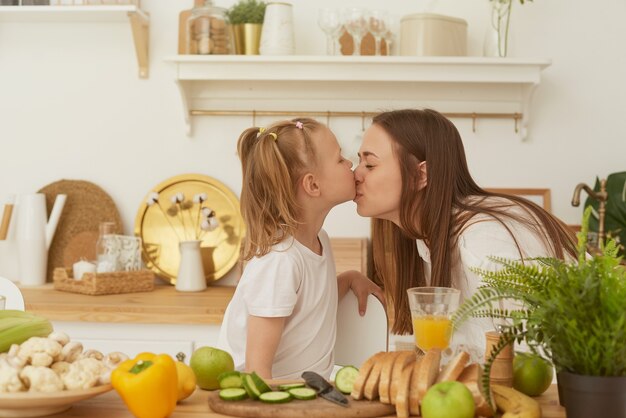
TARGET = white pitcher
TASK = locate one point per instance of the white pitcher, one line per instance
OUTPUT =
(190, 271)
(277, 33)
(33, 235)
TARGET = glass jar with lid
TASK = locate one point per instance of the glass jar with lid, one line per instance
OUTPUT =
(207, 30)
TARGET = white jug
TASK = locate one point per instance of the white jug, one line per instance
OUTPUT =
(277, 33)
(33, 235)
(190, 271)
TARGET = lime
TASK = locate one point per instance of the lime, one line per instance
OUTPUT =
(532, 375)
(208, 363)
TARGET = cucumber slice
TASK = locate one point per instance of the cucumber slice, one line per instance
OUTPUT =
(345, 377)
(275, 397)
(233, 394)
(288, 386)
(250, 387)
(230, 380)
(260, 383)
(305, 394)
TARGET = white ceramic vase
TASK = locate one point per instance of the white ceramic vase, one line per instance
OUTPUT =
(190, 271)
(277, 34)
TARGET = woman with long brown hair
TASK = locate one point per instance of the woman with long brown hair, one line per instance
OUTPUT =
(433, 223)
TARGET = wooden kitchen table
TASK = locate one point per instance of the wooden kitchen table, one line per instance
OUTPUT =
(110, 405)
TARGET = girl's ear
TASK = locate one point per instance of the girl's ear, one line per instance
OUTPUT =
(422, 175)
(310, 185)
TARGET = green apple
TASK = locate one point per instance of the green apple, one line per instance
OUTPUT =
(448, 400)
(208, 363)
(532, 375)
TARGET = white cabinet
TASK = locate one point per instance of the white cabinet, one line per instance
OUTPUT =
(136, 338)
(469, 87)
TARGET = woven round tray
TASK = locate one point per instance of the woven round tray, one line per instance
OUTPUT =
(86, 207)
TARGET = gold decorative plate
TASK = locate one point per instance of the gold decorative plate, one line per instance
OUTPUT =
(162, 225)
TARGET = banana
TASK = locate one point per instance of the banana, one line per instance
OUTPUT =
(515, 404)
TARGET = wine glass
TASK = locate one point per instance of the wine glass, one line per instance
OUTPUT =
(378, 24)
(431, 313)
(356, 24)
(388, 37)
(329, 20)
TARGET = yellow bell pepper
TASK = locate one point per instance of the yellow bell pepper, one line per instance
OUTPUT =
(148, 384)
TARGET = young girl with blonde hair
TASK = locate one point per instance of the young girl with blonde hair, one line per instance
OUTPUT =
(282, 318)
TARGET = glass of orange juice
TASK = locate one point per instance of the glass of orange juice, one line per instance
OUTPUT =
(431, 312)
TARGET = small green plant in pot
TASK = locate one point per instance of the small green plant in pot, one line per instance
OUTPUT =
(571, 312)
(246, 18)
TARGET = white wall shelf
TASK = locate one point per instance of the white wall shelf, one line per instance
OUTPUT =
(477, 86)
(139, 21)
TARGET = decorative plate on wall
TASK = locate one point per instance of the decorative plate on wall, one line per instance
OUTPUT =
(174, 211)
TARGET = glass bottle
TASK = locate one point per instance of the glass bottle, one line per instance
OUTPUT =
(105, 257)
(208, 31)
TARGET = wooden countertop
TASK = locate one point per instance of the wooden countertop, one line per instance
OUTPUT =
(164, 305)
(110, 405)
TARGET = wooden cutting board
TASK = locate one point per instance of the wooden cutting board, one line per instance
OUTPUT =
(317, 408)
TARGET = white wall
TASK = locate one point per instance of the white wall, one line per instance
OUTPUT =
(72, 106)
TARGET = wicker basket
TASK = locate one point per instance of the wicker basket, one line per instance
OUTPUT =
(104, 283)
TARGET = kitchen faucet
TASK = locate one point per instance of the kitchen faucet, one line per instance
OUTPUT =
(601, 196)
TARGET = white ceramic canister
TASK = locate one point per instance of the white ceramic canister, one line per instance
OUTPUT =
(277, 36)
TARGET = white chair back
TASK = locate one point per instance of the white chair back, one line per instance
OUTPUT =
(12, 295)
(359, 337)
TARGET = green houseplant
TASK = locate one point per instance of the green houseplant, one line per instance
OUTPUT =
(246, 18)
(615, 218)
(573, 313)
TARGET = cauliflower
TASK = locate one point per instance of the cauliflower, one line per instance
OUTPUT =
(41, 379)
(39, 351)
(10, 378)
(83, 374)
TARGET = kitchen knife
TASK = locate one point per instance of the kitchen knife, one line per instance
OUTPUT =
(324, 389)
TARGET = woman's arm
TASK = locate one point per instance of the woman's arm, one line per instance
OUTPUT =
(361, 286)
(262, 341)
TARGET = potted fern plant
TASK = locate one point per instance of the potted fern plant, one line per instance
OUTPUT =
(246, 18)
(573, 313)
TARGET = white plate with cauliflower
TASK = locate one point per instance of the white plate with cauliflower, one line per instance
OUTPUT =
(42, 376)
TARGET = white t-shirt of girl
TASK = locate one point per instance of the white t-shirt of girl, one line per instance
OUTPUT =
(294, 282)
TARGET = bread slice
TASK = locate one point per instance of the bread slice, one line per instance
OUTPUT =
(414, 397)
(428, 371)
(402, 399)
(364, 372)
(454, 368)
(370, 391)
(403, 359)
(385, 376)
(471, 377)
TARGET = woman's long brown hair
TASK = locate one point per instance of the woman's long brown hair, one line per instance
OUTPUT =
(272, 161)
(439, 212)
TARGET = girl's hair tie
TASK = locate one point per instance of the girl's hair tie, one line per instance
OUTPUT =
(299, 125)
